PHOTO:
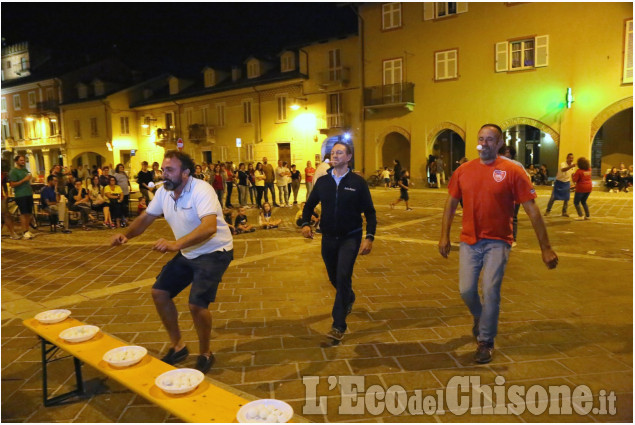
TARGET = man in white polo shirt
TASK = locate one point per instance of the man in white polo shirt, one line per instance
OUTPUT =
(205, 249)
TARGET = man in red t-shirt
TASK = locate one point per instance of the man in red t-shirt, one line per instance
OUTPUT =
(489, 187)
(309, 171)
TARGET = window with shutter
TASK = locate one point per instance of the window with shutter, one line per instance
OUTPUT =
(627, 73)
(521, 54)
(442, 9)
(501, 56)
(446, 65)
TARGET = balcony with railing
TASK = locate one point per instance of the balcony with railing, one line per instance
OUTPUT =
(48, 106)
(336, 77)
(400, 95)
(200, 133)
(332, 121)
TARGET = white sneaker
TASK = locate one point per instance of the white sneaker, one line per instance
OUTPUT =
(27, 235)
(579, 218)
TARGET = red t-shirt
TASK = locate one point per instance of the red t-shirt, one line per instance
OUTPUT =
(489, 193)
(582, 179)
(309, 178)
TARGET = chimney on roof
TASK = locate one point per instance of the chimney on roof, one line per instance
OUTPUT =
(236, 73)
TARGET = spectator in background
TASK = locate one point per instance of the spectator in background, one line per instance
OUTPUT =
(20, 180)
(144, 177)
(542, 176)
(531, 170)
(83, 175)
(613, 180)
(78, 200)
(583, 187)
(270, 178)
(265, 220)
(243, 185)
(141, 206)
(259, 178)
(322, 168)
(157, 174)
(629, 177)
(124, 183)
(198, 173)
(51, 203)
(385, 176)
(509, 152)
(296, 178)
(240, 224)
(440, 171)
(104, 177)
(217, 183)
(98, 203)
(281, 181)
(229, 182)
(113, 193)
(7, 217)
(624, 173)
(397, 172)
(432, 171)
(309, 172)
(251, 178)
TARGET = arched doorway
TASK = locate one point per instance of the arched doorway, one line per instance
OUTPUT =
(533, 146)
(88, 159)
(613, 143)
(396, 146)
(451, 146)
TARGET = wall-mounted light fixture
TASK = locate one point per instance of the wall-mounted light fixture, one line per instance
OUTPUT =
(298, 102)
(109, 146)
(569, 98)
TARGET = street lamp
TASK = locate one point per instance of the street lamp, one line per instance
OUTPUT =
(296, 103)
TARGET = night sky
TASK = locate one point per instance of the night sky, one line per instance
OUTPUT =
(174, 36)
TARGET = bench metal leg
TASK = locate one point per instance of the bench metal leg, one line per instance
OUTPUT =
(47, 357)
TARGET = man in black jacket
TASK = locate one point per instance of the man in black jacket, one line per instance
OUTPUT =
(344, 196)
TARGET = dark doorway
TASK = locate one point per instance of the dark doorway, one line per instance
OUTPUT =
(284, 152)
(613, 143)
(452, 147)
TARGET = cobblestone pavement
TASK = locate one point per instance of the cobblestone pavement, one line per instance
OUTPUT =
(570, 326)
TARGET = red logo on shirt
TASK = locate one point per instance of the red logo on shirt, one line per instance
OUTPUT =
(499, 175)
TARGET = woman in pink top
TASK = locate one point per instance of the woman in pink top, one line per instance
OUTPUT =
(583, 187)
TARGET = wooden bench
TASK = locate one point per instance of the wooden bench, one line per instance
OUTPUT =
(211, 402)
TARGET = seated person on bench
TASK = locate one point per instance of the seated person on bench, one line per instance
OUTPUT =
(78, 200)
(51, 203)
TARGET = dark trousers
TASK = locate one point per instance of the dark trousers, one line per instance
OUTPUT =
(581, 198)
(228, 199)
(339, 256)
(270, 187)
(259, 191)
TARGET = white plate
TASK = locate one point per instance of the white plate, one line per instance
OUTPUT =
(250, 412)
(125, 356)
(179, 381)
(79, 333)
(52, 316)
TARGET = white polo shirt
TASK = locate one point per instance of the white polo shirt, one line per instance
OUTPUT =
(197, 200)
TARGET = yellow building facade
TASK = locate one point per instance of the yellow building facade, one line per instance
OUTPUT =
(435, 72)
(292, 109)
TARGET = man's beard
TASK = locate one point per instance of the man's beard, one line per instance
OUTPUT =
(487, 154)
(171, 184)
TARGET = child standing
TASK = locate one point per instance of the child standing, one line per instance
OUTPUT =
(385, 175)
(403, 182)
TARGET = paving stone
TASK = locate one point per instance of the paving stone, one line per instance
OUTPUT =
(409, 327)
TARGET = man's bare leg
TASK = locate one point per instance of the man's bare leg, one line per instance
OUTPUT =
(169, 316)
(203, 323)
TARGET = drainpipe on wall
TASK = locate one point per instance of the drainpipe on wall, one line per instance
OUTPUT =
(360, 27)
(257, 130)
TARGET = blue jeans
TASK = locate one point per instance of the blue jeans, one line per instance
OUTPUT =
(339, 256)
(490, 256)
(581, 198)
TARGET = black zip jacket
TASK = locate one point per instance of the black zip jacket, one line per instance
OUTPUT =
(342, 206)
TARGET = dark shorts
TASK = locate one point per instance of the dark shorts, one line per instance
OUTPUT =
(404, 195)
(386, 180)
(25, 204)
(203, 272)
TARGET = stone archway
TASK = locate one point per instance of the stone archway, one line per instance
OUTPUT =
(432, 135)
(608, 112)
(555, 136)
(400, 143)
